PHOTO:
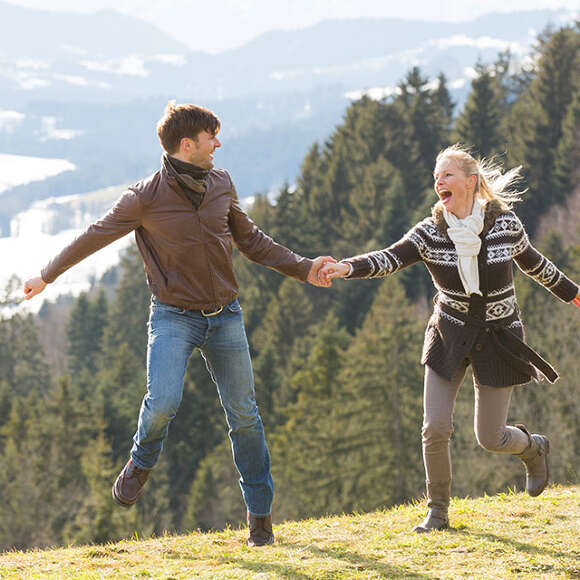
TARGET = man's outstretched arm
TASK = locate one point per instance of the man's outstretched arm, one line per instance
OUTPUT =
(122, 218)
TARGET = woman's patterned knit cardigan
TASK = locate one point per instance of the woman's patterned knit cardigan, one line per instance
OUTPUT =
(450, 338)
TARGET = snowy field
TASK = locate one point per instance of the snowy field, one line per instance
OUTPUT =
(19, 169)
(34, 242)
(25, 256)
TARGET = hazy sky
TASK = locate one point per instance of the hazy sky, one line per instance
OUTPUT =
(221, 24)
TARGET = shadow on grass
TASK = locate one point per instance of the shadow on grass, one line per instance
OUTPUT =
(520, 546)
(357, 563)
(281, 570)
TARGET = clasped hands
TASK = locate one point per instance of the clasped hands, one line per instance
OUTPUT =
(325, 269)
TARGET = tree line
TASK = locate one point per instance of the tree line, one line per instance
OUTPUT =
(337, 371)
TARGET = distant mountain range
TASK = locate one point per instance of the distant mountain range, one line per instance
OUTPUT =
(89, 88)
(108, 56)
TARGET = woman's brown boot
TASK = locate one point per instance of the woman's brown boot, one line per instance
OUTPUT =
(535, 458)
(437, 517)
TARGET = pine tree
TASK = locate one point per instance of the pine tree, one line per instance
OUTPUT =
(382, 380)
(22, 358)
(307, 453)
(215, 500)
(480, 124)
(199, 427)
(85, 332)
(97, 519)
(445, 106)
(567, 163)
(129, 311)
(286, 321)
(425, 118)
(119, 388)
(537, 121)
(24, 512)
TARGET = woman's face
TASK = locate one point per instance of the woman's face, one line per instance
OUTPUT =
(454, 188)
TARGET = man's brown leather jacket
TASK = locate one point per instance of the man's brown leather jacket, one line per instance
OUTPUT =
(187, 253)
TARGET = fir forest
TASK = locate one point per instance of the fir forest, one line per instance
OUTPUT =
(338, 378)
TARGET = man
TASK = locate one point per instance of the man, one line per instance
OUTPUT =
(185, 217)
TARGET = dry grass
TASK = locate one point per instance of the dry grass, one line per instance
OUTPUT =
(504, 536)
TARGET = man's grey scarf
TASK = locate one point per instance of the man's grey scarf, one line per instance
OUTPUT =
(192, 179)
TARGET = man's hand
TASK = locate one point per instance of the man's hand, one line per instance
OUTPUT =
(33, 287)
(313, 274)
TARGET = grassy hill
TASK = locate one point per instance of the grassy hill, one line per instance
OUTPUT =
(504, 536)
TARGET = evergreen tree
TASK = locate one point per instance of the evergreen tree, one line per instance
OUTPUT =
(258, 285)
(567, 161)
(24, 512)
(215, 501)
(285, 228)
(199, 427)
(22, 358)
(119, 389)
(97, 519)
(537, 120)
(6, 399)
(130, 310)
(425, 116)
(480, 124)
(84, 332)
(445, 106)
(287, 319)
(382, 379)
(65, 428)
(308, 452)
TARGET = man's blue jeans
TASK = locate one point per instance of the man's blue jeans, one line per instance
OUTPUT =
(173, 334)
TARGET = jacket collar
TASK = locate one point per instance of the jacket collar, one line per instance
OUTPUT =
(493, 209)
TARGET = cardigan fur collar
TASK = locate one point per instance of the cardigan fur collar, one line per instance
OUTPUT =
(493, 209)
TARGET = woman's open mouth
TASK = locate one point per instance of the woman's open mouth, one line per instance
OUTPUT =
(445, 196)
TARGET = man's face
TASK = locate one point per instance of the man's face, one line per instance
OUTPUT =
(199, 150)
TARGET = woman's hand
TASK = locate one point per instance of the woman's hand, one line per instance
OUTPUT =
(330, 271)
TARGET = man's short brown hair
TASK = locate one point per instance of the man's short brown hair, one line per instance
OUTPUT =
(181, 121)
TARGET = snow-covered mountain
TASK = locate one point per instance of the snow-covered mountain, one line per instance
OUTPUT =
(109, 56)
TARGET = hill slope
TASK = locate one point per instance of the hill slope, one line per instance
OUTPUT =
(505, 536)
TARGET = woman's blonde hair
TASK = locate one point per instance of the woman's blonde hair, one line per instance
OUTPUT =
(491, 182)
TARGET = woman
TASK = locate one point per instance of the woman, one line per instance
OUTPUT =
(468, 245)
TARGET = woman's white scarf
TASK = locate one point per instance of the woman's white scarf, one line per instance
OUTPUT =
(464, 234)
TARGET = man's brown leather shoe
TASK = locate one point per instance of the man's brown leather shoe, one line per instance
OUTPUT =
(129, 484)
(260, 531)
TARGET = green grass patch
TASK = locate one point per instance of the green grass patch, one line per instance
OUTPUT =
(505, 536)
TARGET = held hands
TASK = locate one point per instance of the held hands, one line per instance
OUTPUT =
(314, 274)
(333, 270)
(33, 287)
